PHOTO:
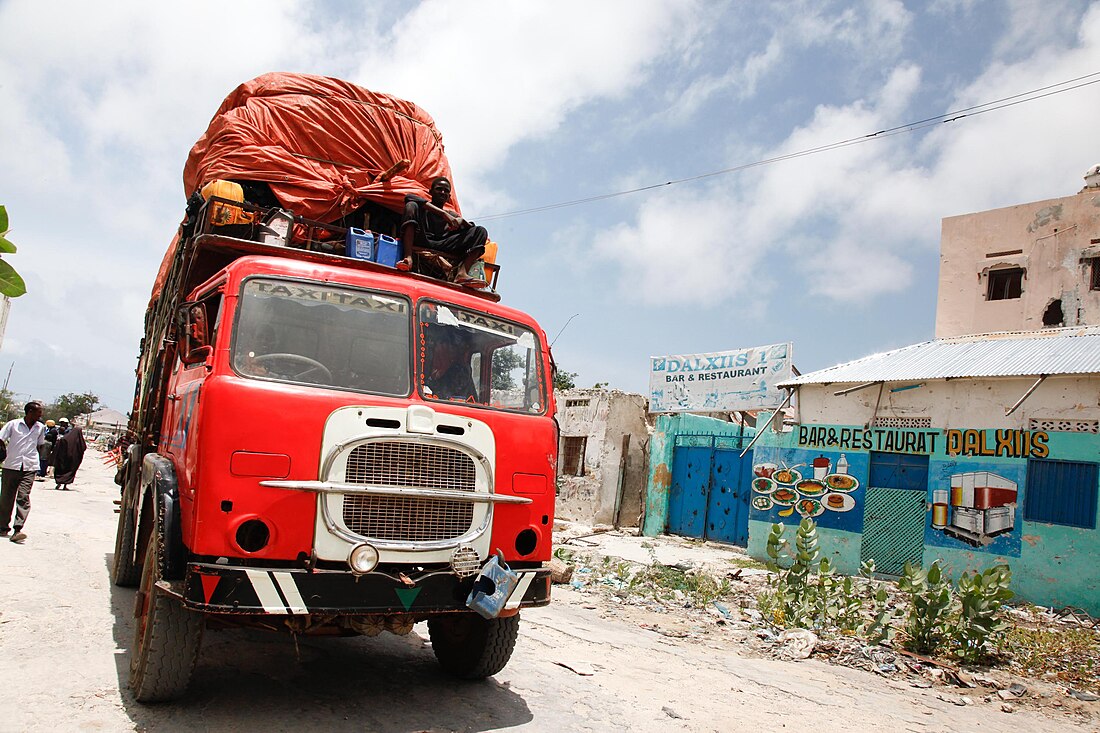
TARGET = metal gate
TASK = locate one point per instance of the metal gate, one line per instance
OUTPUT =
(709, 496)
(895, 512)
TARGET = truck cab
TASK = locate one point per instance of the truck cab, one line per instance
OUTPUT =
(338, 448)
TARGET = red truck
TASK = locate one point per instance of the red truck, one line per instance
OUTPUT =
(323, 444)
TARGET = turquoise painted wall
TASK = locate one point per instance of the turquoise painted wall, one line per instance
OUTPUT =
(1052, 565)
(661, 445)
(842, 548)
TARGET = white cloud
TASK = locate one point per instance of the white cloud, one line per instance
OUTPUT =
(495, 73)
(858, 213)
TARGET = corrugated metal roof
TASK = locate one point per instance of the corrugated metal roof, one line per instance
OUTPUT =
(1074, 350)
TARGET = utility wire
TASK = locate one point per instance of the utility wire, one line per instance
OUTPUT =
(954, 116)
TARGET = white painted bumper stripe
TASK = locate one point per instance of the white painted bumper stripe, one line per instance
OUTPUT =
(521, 590)
(290, 593)
(265, 591)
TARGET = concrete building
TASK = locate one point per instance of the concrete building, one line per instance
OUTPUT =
(973, 451)
(1022, 268)
(602, 456)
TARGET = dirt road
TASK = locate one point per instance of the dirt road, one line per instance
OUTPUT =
(66, 632)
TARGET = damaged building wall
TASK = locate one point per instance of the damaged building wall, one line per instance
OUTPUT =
(986, 488)
(1023, 267)
(597, 482)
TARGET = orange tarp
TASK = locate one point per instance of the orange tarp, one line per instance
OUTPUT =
(320, 143)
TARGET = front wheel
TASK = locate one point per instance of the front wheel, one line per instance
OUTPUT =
(167, 638)
(471, 647)
(125, 572)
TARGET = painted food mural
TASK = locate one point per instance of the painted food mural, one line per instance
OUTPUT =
(827, 488)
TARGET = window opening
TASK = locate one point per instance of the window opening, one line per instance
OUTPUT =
(576, 403)
(1094, 278)
(1005, 284)
(327, 336)
(470, 357)
(1061, 492)
(572, 452)
(1053, 316)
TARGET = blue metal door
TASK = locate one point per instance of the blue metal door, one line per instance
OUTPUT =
(728, 503)
(687, 501)
(709, 496)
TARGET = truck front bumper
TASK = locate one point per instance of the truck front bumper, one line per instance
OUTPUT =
(249, 591)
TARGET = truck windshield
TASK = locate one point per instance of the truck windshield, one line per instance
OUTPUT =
(470, 357)
(298, 332)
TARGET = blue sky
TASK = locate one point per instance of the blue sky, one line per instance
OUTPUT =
(546, 102)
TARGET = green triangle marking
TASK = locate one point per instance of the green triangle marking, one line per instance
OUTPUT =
(407, 596)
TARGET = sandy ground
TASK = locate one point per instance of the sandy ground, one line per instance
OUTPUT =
(65, 633)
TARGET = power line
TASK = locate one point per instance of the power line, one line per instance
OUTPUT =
(954, 116)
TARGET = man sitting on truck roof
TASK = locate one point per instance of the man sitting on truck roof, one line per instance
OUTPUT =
(429, 226)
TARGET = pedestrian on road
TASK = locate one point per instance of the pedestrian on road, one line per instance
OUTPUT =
(67, 455)
(20, 439)
(45, 451)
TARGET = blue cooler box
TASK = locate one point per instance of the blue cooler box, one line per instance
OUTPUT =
(387, 251)
(360, 244)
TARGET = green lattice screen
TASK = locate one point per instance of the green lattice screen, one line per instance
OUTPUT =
(893, 528)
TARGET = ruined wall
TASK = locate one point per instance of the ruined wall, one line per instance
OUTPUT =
(959, 431)
(603, 417)
(1054, 242)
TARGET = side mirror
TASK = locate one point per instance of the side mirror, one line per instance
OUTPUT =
(195, 347)
(196, 356)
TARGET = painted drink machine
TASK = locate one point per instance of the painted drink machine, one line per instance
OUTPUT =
(982, 506)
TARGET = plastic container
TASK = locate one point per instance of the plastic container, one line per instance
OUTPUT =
(360, 244)
(491, 589)
(276, 230)
(222, 214)
(387, 251)
(490, 255)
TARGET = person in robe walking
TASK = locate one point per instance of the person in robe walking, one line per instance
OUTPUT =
(68, 452)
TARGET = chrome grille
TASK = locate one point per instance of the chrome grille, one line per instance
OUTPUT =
(409, 465)
(407, 519)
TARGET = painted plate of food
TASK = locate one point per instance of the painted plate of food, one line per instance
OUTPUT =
(838, 502)
(841, 482)
(809, 507)
(810, 487)
(787, 476)
(763, 503)
(762, 485)
(784, 496)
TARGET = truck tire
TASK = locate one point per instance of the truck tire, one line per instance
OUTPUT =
(471, 647)
(167, 637)
(125, 572)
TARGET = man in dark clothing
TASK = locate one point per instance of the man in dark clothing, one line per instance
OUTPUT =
(447, 374)
(67, 455)
(428, 225)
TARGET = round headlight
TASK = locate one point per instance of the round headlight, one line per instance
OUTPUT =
(363, 559)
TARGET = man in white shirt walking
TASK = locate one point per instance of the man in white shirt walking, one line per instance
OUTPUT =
(21, 438)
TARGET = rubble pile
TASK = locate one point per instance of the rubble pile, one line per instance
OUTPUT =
(704, 592)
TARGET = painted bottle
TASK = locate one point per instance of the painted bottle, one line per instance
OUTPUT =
(842, 464)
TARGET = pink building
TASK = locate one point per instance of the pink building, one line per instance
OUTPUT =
(1022, 268)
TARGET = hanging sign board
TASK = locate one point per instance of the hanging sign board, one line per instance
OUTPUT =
(723, 381)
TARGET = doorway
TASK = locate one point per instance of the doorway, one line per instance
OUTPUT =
(895, 512)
